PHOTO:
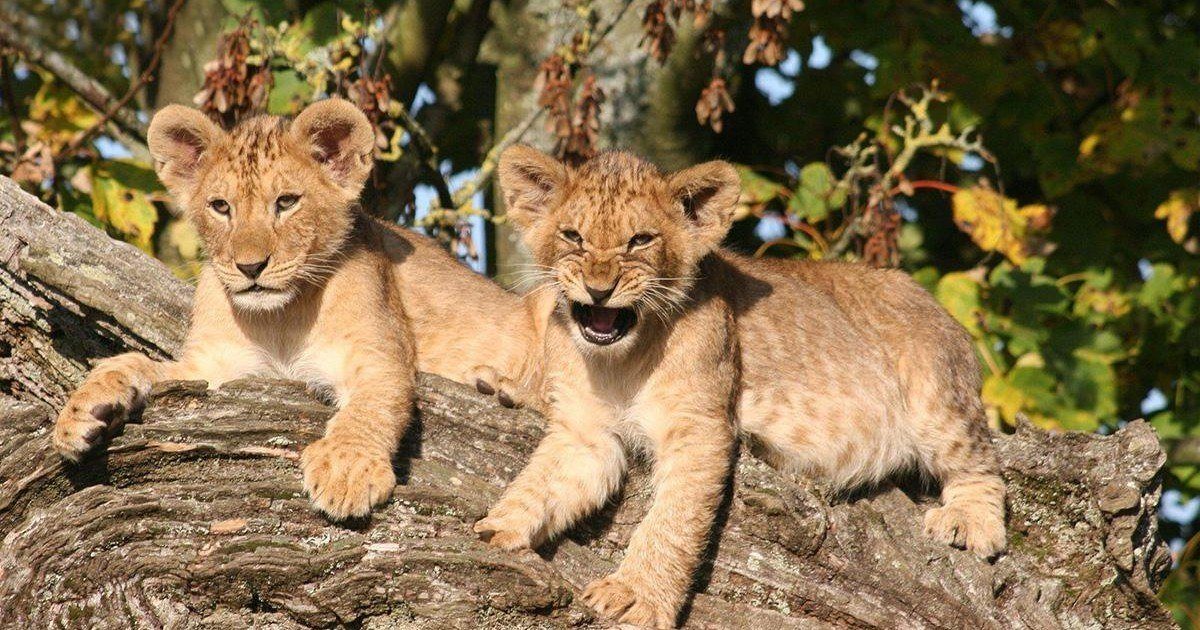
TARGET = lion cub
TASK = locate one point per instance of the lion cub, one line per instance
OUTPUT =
(667, 344)
(302, 284)
(298, 285)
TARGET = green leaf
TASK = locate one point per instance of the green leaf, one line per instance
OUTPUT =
(1119, 35)
(289, 93)
(1025, 389)
(959, 293)
(816, 176)
(807, 206)
(757, 189)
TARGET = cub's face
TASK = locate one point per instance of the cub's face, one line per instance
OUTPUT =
(620, 240)
(273, 201)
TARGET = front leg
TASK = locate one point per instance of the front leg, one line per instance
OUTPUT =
(215, 351)
(118, 385)
(349, 471)
(114, 387)
(574, 470)
(692, 466)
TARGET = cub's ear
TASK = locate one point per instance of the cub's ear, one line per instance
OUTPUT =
(708, 194)
(339, 136)
(530, 180)
(178, 138)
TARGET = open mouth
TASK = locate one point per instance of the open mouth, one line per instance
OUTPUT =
(602, 325)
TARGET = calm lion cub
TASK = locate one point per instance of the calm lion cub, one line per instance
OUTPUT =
(302, 284)
(664, 343)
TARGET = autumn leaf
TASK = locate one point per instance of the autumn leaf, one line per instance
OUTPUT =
(123, 192)
(56, 116)
(1178, 210)
(996, 224)
(960, 293)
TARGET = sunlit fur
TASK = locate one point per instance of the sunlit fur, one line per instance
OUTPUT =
(839, 371)
(351, 305)
(249, 169)
(653, 278)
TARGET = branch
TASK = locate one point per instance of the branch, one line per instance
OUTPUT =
(429, 155)
(195, 517)
(142, 80)
(90, 90)
(488, 167)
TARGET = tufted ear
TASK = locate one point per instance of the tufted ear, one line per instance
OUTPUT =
(530, 180)
(339, 136)
(178, 138)
(708, 194)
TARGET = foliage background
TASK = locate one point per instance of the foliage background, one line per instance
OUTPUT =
(1034, 164)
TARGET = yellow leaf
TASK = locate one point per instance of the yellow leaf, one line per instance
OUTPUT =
(179, 248)
(959, 293)
(998, 393)
(1089, 144)
(996, 224)
(1178, 210)
(57, 115)
(122, 194)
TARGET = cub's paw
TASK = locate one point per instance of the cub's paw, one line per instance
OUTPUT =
(974, 527)
(489, 382)
(344, 478)
(616, 598)
(508, 529)
(95, 407)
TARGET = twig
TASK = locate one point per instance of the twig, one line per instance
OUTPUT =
(142, 80)
(429, 152)
(90, 90)
(492, 159)
(917, 133)
(487, 168)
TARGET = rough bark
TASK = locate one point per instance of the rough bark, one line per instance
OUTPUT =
(195, 516)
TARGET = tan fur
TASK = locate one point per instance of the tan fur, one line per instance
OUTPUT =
(836, 370)
(354, 306)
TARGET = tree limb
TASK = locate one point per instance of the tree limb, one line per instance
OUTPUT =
(90, 90)
(142, 79)
(195, 518)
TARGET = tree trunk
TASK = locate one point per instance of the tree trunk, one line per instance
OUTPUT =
(195, 516)
(194, 43)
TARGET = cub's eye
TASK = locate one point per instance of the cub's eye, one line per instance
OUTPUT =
(220, 206)
(640, 239)
(573, 236)
(286, 202)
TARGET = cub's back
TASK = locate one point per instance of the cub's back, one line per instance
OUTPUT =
(461, 320)
(888, 313)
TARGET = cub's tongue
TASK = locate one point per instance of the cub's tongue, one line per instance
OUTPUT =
(602, 320)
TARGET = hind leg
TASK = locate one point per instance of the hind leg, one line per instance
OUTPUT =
(972, 512)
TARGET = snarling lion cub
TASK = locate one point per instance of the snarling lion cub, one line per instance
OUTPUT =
(301, 283)
(667, 344)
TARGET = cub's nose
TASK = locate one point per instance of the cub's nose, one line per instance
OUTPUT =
(251, 270)
(599, 295)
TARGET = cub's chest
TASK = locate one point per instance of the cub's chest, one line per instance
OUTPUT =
(316, 364)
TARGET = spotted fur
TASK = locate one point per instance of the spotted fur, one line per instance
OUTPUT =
(836, 370)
